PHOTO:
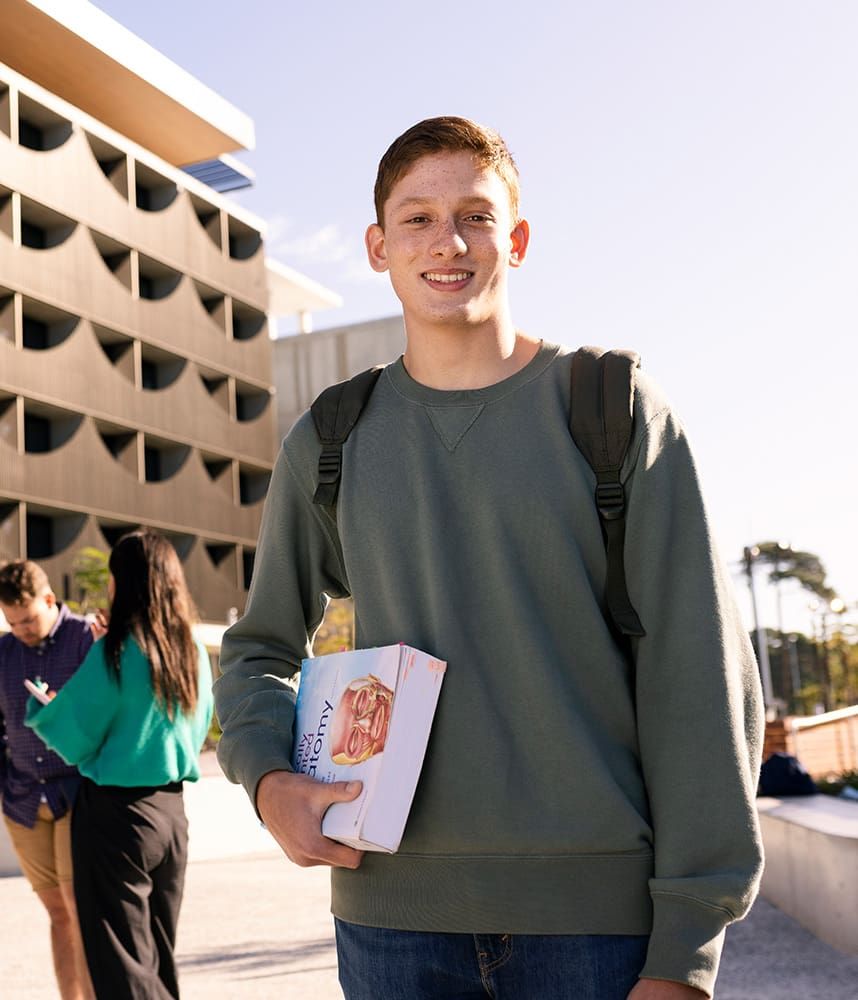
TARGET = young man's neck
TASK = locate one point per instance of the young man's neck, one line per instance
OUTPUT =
(458, 357)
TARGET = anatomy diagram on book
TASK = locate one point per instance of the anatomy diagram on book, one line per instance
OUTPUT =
(366, 715)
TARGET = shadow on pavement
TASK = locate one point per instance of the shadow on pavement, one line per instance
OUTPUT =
(246, 959)
(769, 956)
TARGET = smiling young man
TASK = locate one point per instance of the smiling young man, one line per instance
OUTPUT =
(561, 842)
(45, 641)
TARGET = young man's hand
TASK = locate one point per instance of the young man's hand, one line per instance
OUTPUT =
(292, 806)
(664, 989)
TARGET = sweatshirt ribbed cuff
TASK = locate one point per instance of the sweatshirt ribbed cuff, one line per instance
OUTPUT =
(686, 941)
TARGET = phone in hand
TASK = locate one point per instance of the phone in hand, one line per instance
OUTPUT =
(40, 693)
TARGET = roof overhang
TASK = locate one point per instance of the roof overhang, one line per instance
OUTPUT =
(291, 292)
(81, 54)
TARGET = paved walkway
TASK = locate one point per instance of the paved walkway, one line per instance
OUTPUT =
(255, 927)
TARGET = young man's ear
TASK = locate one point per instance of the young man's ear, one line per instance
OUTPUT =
(519, 239)
(375, 248)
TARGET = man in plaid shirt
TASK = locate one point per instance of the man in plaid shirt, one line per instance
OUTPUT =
(46, 642)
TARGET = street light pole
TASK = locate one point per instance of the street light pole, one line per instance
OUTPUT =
(795, 673)
(784, 550)
(762, 641)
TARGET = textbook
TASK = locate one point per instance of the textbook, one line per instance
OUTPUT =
(365, 715)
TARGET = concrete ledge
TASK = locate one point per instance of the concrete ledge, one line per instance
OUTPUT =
(8, 862)
(812, 864)
(221, 821)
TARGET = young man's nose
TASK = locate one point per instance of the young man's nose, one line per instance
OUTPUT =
(448, 240)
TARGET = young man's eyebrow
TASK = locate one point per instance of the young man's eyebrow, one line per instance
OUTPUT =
(412, 200)
(420, 200)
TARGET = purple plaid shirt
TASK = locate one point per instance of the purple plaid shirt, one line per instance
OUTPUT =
(28, 769)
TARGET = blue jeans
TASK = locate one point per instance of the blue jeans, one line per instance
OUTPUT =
(380, 964)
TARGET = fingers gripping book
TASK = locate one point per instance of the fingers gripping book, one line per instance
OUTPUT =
(365, 715)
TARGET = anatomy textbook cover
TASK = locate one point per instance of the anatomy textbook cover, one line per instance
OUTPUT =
(366, 715)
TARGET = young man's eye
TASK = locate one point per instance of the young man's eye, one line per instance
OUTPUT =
(418, 218)
(478, 217)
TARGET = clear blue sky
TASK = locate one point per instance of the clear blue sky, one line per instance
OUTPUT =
(690, 173)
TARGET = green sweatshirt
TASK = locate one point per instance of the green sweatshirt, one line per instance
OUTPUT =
(115, 731)
(562, 792)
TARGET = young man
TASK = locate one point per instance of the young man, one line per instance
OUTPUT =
(46, 641)
(584, 825)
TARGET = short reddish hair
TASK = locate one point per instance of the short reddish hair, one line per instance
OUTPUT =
(446, 135)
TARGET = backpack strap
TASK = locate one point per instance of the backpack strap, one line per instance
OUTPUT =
(335, 412)
(600, 420)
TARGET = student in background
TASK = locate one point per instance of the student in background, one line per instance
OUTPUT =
(133, 719)
(45, 641)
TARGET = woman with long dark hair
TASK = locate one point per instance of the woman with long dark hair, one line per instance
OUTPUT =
(133, 719)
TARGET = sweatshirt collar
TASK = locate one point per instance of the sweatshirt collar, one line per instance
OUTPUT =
(406, 386)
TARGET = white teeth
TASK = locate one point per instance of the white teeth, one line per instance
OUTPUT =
(447, 278)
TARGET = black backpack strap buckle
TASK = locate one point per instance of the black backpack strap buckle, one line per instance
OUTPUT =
(330, 467)
(610, 500)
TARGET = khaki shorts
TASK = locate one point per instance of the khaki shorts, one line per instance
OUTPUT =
(44, 852)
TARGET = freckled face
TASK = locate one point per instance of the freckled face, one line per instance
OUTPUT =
(448, 241)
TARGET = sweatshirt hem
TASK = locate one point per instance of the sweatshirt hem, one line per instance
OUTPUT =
(568, 894)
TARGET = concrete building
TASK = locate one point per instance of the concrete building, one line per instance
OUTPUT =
(305, 364)
(135, 361)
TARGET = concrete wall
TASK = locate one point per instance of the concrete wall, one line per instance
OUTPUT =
(811, 869)
(221, 822)
(307, 363)
(8, 861)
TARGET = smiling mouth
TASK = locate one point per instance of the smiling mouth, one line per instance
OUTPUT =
(447, 279)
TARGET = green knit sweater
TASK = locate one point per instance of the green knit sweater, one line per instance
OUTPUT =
(115, 731)
(562, 791)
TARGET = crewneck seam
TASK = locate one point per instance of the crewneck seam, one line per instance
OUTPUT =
(484, 396)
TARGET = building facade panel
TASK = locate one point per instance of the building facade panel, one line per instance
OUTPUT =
(185, 231)
(74, 276)
(197, 402)
(135, 361)
(91, 480)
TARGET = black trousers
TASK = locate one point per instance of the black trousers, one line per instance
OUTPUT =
(129, 851)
